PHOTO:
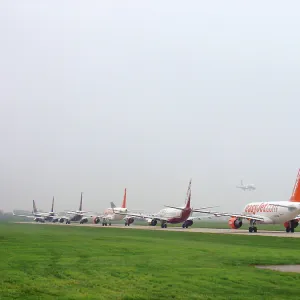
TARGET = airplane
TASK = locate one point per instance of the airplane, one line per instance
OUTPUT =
(246, 187)
(270, 212)
(170, 214)
(112, 214)
(42, 217)
(80, 215)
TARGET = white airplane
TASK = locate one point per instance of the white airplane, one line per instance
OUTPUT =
(246, 187)
(273, 212)
(112, 214)
(170, 214)
(42, 217)
(80, 215)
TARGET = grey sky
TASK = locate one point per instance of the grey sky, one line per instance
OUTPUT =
(97, 96)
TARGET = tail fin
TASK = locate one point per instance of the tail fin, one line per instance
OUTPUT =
(188, 191)
(80, 205)
(188, 203)
(296, 192)
(124, 200)
(34, 207)
(112, 205)
(52, 208)
(188, 199)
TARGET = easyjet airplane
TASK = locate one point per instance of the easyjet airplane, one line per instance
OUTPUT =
(170, 214)
(276, 212)
(112, 214)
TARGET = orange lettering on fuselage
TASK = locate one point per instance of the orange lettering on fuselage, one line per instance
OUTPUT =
(259, 208)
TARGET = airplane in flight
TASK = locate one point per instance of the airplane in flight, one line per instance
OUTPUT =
(80, 215)
(41, 217)
(170, 214)
(112, 214)
(246, 187)
(273, 212)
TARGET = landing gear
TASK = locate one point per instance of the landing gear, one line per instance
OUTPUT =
(184, 225)
(104, 224)
(68, 222)
(252, 227)
(291, 227)
(109, 224)
(163, 225)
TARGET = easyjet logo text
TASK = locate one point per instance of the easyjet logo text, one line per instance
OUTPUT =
(263, 207)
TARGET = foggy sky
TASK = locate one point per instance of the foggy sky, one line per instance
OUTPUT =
(97, 96)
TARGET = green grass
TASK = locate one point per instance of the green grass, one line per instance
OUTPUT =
(64, 262)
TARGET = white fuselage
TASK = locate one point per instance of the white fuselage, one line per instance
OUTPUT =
(169, 213)
(272, 212)
(110, 214)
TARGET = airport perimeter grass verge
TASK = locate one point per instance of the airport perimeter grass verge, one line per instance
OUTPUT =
(63, 262)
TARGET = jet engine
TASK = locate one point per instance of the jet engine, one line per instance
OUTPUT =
(61, 220)
(129, 221)
(85, 220)
(96, 220)
(235, 223)
(152, 222)
(188, 223)
(39, 220)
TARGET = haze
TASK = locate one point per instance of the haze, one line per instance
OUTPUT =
(97, 96)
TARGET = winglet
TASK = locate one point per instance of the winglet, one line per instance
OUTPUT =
(296, 191)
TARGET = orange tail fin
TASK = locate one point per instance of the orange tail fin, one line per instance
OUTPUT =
(296, 192)
(124, 200)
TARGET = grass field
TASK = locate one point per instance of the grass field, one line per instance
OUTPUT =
(64, 262)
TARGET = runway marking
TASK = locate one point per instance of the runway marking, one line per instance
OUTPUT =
(179, 229)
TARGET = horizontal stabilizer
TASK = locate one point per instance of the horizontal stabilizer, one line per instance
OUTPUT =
(182, 208)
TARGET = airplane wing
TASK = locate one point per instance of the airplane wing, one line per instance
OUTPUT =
(31, 217)
(200, 218)
(224, 214)
(297, 218)
(83, 214)
(26, 216)
(142, 216)
(181, 208)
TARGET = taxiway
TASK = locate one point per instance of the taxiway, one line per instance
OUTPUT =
(195, 230)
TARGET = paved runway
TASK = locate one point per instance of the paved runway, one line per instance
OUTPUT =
(196, 230)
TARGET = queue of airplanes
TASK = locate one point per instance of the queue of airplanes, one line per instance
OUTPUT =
(268, 212)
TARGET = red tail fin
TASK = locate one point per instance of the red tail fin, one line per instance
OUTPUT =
(296, 192)
(188, 203)
(188, 194)
(124, 200)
